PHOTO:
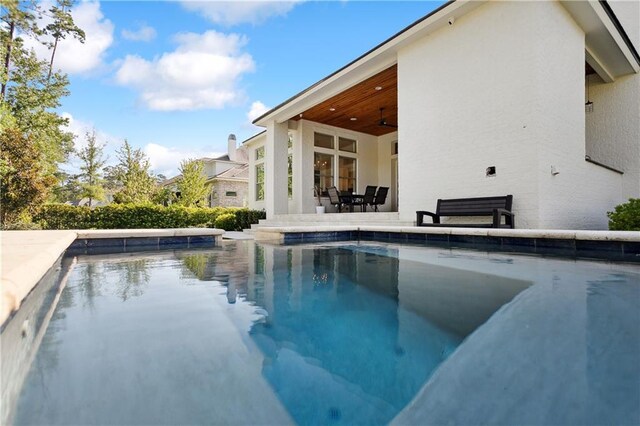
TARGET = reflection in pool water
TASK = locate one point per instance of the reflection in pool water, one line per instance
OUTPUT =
(253, 334)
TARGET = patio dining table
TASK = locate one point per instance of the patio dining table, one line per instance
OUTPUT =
(352, 200)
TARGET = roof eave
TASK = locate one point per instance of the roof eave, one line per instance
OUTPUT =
(370, 63)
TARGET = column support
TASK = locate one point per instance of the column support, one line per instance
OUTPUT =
(276, 173)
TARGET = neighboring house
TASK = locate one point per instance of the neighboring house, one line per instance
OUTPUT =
(227, 176)
(536, 99)
(87, 202)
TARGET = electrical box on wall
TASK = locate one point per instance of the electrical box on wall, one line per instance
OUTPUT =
(491, 171)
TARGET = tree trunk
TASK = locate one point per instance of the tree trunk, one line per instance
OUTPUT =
(7, 58)
(53, 54)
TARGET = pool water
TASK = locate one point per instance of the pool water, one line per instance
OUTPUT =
(245, 333)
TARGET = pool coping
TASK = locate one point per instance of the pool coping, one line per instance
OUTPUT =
(622, 246)
(28, 255)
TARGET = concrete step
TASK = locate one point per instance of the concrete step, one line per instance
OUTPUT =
(268, 224)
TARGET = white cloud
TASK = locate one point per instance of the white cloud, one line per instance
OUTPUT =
(202, 72)
(72, 56)
(166, 160)
(240, 11)
(144, 33)
(80, 128)
(256, 110)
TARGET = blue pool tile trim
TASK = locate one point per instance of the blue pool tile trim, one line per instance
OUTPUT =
(111, 245)
(314, 237)
(627, 251)
(205, 239)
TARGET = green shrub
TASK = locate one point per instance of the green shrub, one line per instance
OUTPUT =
(226, 221)
(134, 216)
(625, 217)
(246, 217)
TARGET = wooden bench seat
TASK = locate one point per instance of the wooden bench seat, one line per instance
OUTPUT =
(495, 207)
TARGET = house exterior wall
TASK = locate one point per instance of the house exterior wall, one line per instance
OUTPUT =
(251, 190)
(385, 155)
(613, 134)
(220, 188)
(503, 87)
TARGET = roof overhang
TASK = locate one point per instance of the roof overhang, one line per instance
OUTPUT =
(608, 50)
(371, 63)
(254, 138)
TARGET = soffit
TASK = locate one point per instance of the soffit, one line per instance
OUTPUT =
(608, 50)
(362, 102)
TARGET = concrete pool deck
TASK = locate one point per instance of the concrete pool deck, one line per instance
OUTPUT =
(26, 256)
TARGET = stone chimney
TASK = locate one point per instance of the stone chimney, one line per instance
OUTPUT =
(231, 147)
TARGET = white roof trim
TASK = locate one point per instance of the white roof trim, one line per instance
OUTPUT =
(368, 65)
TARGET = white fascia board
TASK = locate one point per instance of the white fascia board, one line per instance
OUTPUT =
(606, 50)
(615, 34)
(370, 64)
(260, 137)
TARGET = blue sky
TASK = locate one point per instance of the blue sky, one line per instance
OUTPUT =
(176, 77)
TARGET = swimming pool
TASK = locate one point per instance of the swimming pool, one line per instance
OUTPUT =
(337, 333)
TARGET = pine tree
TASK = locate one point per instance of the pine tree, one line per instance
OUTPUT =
(92, 163)
(132, 175)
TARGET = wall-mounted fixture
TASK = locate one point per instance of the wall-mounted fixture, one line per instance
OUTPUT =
(588, 106)
(491, 171)
(452, 20)
(554, 171)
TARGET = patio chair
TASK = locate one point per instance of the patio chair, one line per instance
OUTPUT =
(367, 198)
(381, 197)
(334, 198)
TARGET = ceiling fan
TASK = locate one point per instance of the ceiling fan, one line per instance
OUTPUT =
(383, 121)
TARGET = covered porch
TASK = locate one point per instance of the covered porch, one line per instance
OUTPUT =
(348, 141)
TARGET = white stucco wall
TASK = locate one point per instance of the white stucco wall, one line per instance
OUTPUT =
(463, 105)
(501, 87)
(385, 154)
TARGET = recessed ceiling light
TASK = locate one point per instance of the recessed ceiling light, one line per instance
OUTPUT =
(378, 87)
(332, 109)
(353, 119)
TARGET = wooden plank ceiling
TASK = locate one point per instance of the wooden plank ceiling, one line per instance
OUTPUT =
(362, 102)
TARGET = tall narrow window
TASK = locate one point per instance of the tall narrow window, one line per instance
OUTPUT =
(260, 182)
(290, 167)
(260, 153)
(323, 171)
(347, 174)
(290, 175)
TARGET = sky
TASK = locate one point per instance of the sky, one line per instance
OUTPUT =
(175, 78)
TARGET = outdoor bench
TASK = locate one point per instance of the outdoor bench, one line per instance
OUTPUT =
(495, 207)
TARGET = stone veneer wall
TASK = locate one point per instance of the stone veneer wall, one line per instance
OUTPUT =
(221, 187)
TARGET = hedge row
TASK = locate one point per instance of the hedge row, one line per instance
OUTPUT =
(137, 216)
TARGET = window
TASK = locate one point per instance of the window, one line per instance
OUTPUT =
(260, 153)
(231, 194)
(331, 159)
(347, 174)
(290, 175)
(346, 145)
(260, 182)
(323, 170)
(323, 141)
(290, 167)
